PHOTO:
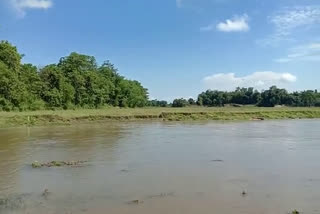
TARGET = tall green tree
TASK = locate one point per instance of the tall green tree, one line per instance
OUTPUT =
(13, 93)
(9, 56)
(75, 68)
(57, 91)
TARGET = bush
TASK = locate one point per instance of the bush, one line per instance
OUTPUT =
(5, 105)
(37, 105)
(179, 103)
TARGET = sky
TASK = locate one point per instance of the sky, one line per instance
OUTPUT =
(176, 48)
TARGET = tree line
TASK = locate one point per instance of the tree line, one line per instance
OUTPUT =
(249, 96)
(76, 81)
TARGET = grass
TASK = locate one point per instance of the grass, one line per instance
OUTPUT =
(13, 119)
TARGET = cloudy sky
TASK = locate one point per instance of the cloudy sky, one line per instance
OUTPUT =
(176, 48)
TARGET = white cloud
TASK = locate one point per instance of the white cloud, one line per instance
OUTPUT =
(22, 5)
(258, 80)
(288, 20)
(236, 24)
(310, 52)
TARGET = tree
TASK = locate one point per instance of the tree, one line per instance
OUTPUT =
(158, 103)
(75, 68)
(77, 63)
(9, 56)
(97, 90)
(179, 103)
(274, 96)
(57, 92)
(191, 101)
(213, 98)
(267, 98)
(13, 93)
(77, 81)
(132, 94)
(20, 84)
(30, 77)
(308, 98)
(245, 96)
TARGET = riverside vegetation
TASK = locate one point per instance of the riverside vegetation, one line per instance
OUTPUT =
(66, 117)
(77, 88)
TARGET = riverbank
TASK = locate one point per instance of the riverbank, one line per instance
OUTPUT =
(64, 117)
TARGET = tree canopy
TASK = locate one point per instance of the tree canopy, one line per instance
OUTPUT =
(268, 98)
(76, 81)
(180, 103)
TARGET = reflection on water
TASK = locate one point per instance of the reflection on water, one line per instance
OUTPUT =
(159, 167)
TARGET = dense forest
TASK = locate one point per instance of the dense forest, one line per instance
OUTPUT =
(248, 96)
(76, 81)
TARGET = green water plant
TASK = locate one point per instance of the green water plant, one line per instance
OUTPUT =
(136, 202)
(36, 164)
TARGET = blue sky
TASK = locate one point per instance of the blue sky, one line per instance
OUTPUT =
(176, 48)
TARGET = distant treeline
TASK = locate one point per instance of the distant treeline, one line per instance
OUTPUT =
(248, 96)
(76, 81)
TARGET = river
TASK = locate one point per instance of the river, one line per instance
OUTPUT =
(266, 167)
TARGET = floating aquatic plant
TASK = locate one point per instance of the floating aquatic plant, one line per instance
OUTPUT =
(36, 164)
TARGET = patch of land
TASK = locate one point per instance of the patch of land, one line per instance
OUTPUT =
(64, 117)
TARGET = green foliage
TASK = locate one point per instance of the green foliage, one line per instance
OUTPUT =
(75, 82)
(12, 91)
(132, 94)
(10, 56)
(158, 103)
(274, 96)
(268, 98)
(56, 92)
(192, 101)
(245, 96)
(30, 77)
(213, 98)
(179, 103)
(77, 63)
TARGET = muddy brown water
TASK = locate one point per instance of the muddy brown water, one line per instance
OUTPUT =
(161, 167)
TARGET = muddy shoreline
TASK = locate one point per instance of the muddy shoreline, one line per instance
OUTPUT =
(60, 119)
